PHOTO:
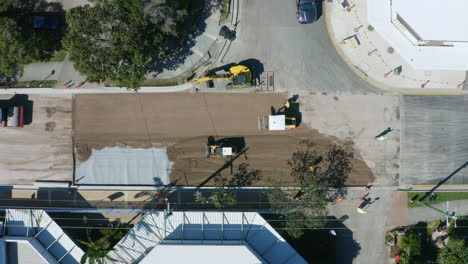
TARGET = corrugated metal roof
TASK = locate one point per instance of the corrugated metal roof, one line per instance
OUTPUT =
(211, 228)
(42, 232)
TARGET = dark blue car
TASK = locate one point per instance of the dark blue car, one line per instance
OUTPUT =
(45, 22)
(306, 11)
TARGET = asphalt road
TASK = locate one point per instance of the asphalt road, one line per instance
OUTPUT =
(301, 56)
(434, 139)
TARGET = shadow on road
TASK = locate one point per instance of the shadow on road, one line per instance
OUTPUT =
(256, 67)
(347, 248)
(319, 5)
(174, 54)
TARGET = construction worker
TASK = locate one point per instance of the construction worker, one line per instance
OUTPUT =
(380, 138)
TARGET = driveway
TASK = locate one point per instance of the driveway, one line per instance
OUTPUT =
(301, 56)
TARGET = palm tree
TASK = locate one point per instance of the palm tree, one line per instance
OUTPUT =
(97, 250)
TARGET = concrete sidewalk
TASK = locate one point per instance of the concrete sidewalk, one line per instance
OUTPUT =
(97, 90)
(374, 60)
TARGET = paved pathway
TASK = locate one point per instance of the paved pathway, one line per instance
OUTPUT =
(425, 214)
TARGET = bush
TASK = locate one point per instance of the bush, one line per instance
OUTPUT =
(453, 255)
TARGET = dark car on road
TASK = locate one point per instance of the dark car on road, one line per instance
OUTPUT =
(306, 11)
(45, 22)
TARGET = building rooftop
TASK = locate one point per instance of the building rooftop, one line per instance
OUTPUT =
(208, 254)
(32, 237)
(435, 21)
(427, 34)
(214, 237)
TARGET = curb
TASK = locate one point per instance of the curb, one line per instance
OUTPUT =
(58, 91)
(352, 67)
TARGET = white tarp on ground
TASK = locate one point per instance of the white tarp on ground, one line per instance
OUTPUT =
(125, 166)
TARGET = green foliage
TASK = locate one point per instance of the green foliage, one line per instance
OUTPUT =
(242, 177)
(225, 9)
(453, 255)
(219, 198)
(96, 250)
(316, 173)
(4, 4)
(99, 244)
(300, 211)
(114, 40)
(329, 169)
(413, 243)
(13, 51)
(165, 14)
(20, 43)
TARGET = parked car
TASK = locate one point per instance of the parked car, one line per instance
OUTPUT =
(306, 11)
(45, 22)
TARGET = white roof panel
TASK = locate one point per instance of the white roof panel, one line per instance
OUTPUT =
(435, 20)
(207, 254)
(188, 236)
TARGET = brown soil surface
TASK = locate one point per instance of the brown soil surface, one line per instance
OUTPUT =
(269, 154)
(182, 122)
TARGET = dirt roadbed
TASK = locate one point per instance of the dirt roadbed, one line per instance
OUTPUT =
(183, 121)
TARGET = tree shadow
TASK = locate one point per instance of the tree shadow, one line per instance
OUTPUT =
(176, 51)
(347, 248)
(20, 100)
(42, 23)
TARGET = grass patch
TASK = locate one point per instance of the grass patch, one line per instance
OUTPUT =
(225, 10)
(58, 56)
(34, 84)
(442, 197)
(169, 82)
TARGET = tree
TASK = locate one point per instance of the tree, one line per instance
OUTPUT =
(221, 197)
(316, 173)
(165, 14)
(413, 243)
(242, 177)
(114, 40)
(13, 52)
(4, 4)
(299, 210)
(20, 43)
(453, 255)
(330, 169)
(96, 251)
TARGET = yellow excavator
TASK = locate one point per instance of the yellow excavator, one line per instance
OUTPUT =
(240, 75)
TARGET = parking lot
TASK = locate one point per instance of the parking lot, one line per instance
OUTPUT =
(42, 148)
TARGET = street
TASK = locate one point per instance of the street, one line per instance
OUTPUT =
(434, 139)
(301, 56)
